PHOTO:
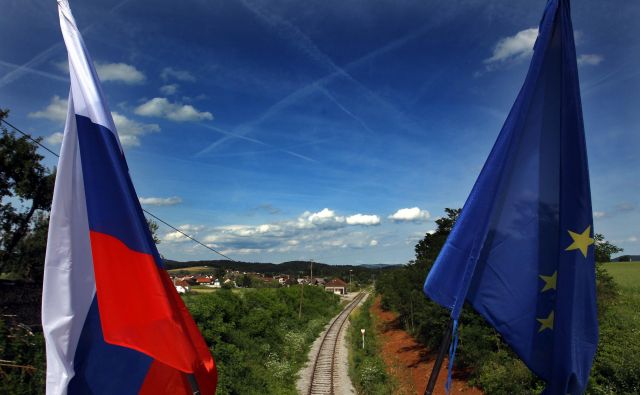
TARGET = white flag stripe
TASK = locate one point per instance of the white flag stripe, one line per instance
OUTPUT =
(89, 100)
(69, 285)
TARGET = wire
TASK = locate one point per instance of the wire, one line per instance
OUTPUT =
(186, 235)
(30, 138)
(146, 211)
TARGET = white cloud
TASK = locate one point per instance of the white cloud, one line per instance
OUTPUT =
(170, 89)
(413, 214)
(324, 218)
(188, 228)
(625, 207)
(119, 72)
(161, 107)
(174, 237)
(129, 130)
(177, 237)
(55, 111)
(180, 75)
(157, 201)
(309, 232)
(323, 215)
(363, 219)
(599, 214)
(590, 59)
(513, 48)
(327, 218)
(55, 138)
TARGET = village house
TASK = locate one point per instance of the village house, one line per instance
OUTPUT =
(182, 287)
(204, 280)
(336, 286)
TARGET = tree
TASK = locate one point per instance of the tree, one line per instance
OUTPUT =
(26, 189)
(606, 287)
(153, 228)
(604, 249)
(428, 248)
(246, 281)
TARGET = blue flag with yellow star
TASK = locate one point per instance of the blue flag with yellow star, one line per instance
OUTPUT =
(521, 251)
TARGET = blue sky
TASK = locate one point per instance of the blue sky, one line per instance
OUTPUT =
(328, 130)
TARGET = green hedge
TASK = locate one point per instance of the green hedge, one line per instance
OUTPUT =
(488, 362)
(256, 337)
(366, 367)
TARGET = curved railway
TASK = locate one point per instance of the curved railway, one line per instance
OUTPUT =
(324, 365)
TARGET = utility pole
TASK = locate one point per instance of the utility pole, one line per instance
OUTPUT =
(302, 291)
(301, 297)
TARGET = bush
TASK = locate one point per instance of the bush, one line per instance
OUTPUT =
(504, 374)
(482, 354)
(256, 336)
(366, 367)
(23, 359)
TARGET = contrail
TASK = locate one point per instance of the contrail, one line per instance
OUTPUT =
(26, 69)
(43, 56)
(229, 135)
(20, 70)
(344, 109)
(311, 49)
(295, 36)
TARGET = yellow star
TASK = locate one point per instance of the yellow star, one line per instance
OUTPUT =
(546, 323)
(549, 281)
(581, 241)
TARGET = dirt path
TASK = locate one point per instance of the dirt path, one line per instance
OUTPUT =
(409, 362)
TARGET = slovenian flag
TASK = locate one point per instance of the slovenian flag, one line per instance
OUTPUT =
(112, 320)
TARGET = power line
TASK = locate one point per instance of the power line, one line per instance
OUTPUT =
(29, 137)
(186, 235)
(146, 211)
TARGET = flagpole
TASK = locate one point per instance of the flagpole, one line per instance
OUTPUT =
(446, 338)
(195, 389)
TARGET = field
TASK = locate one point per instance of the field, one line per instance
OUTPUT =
(193, 270)
(617, 364)
(626, 274)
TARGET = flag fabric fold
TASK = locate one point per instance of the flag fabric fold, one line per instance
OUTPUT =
(522, 250)
(112, 320)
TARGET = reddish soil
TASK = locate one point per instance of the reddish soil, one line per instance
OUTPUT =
(409, 362)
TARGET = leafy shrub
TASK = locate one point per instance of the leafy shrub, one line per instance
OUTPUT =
(504, 374)
(256, 336)
(366, 367)
(23, 359)
(482, 353)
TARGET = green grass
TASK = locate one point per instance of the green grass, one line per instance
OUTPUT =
(366, 366)
(617, 363)
(193, 269)
(626, 274)
(202, 289)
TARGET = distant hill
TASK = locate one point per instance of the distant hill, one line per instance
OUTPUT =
(627, 258)
(294, 268)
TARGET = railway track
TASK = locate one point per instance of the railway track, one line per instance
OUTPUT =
(324, 365)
